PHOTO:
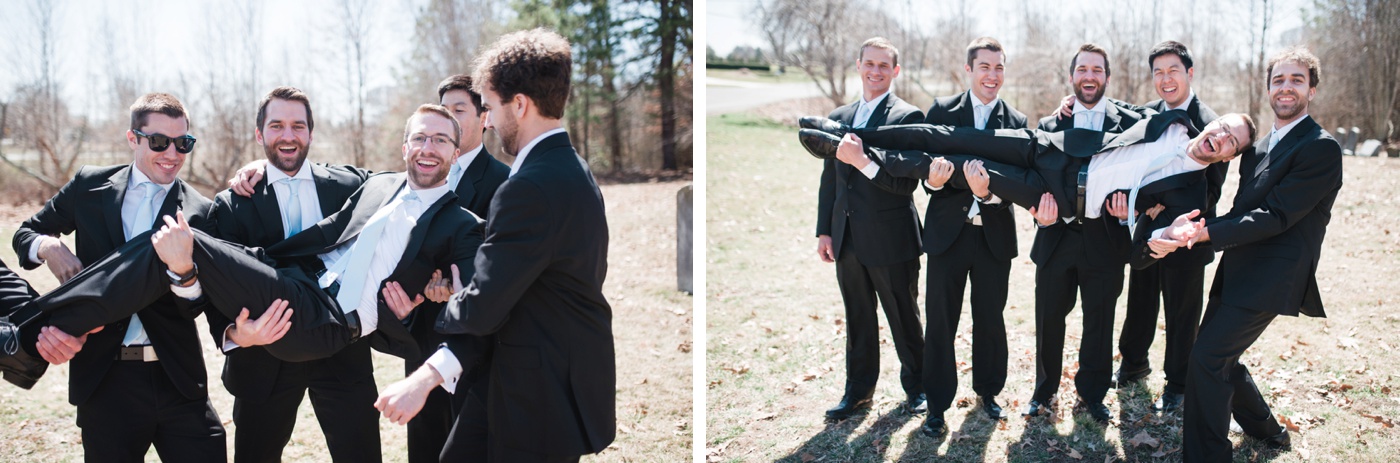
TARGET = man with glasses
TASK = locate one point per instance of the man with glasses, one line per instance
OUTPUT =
(140, 378)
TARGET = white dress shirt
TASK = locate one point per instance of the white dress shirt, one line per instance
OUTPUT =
(306, 196)
(1089, 118)
(1123, 168)
(520, 157)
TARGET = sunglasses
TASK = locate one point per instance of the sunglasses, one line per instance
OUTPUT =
(184, 143)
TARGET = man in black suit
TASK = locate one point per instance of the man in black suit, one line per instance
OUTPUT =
(868, 226)
(1272, 241)
(538, 284)
(1176, 282)
(141, 380)
(967, 236)
(292, 195)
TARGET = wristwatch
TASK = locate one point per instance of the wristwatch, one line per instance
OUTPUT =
(182, 280)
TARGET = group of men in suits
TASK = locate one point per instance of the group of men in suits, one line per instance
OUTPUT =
(501, 306)
(1109, 184)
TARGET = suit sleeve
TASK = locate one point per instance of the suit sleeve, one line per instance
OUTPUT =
(14, 291)
(201, 219)
(56, 218)
(826, 197)
(1317, 169)
(517, 250)
(226, 228)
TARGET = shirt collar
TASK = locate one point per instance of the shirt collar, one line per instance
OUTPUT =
(1282, 131)
(1098, 108)
(465, 159)
(427, 196)
(137, 177)
(1184, 104)
(274, 175)
(520, 157)
(978, 101)
(877, 99)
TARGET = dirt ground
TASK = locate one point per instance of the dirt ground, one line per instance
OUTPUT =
(651, 326)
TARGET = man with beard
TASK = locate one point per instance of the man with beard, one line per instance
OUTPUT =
(397, 230)
(292, 196)
(140, 380)
(538, 282)
(1272, 241)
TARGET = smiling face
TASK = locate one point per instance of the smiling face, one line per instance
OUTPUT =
(987, 72)
(1172, 79)
(429, 162)
(1289, 92)
(1221, 141)
(160, 166)
(285, 135)
(471, 120)
(1090, 77)
(877, 71)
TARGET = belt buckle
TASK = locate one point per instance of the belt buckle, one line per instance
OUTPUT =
(145, 353)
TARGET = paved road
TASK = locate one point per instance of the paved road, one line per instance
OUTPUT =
(724, 96)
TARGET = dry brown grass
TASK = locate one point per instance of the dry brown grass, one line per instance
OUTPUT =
(776, 337)
(651, 326)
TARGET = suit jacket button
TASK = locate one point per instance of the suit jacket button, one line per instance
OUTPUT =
(965, 208)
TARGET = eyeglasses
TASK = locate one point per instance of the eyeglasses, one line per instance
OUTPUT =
(184, 143)
(419, 139)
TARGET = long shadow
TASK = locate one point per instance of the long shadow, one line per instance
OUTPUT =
(969, 444)
(1041, 441)
(1135, 414)
(831, 441)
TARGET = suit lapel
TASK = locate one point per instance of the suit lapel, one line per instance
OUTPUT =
(112, 195)
(419, 234)
(172, 202)
(1282, 150)
(881, 112)
(965, 115)
(267, 208)
(366, 209)
(325, 183)
(1112, 121)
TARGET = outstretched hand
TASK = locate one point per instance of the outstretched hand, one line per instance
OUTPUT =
(264, 330)
(398, 301)
(401, 401)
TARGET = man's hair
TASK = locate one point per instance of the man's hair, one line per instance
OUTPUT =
(461, 82)
(163, 103)
(1298, 55)
(1253, 130)
(1091, 48)
(438, 110)
(289, 94)
(983, 43)
(1170, 47)
(883, 44)
(537, 63)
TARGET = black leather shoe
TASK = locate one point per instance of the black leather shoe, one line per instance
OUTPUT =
(989, 405)
(824, 124)
(1123, 378)
(1035, 408)
(847, 408)
(16, 365)
(820, 144)
(1169, 402)
(916, 404)
(1098, 411)
(1278, 441)
(934, 426)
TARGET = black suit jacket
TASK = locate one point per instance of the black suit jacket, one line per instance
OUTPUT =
(90, 205)
(948, 207)
(539, 288)
(1272, 236)
(256, 221)
(445, 234)
(1178, 194)
(1201, 115)
(14, 291)
(879, 212)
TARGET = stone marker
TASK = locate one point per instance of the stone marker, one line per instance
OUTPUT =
(1351, 138)
(1341, 135)
(685, 219)
(1370, 148)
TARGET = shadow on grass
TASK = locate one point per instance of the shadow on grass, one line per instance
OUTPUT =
(831, 442)
(969, 444)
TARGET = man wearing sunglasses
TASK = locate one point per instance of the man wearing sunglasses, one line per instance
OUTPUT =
(139, 379)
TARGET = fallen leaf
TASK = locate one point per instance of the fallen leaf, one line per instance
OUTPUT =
(1075, 454)
(957, 436)
(1287, 423)
(1143, 438)
(808, 457)
(1164, 452)
(766, 417)
(1380, 419)
(815, 316)
(738, 370)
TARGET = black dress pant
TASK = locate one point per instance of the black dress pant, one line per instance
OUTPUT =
(896, 288)
(345, 410)
(1179, 289)
(136, 407)
(232, 276)
(948, 273)
(1218, 386)
(1056, 282)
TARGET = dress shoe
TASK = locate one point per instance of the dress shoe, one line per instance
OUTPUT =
(1098, 411)
(17, 365)
(1036, 408)
(989, 405)
(1169, 402)
(1123, 378)
(1278, 441)
(848, 407)
(824, 124)
(934, 426)
(820, 144)
(916, 404)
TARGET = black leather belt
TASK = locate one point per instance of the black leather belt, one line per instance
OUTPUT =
(1082, 182)
(137, 353)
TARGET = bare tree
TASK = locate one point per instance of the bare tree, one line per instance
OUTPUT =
(355, 29)
(820, 37)
(37, 117)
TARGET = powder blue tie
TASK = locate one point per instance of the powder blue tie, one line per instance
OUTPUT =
(293, 207)
(454, 175)
(356, 265)
(145, 217)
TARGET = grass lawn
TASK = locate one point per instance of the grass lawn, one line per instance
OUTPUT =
(794, 74)
(775, 334)
(651, 328)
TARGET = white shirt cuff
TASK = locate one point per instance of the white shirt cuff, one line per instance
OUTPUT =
(190, 292)
(228, 344)
(1157, 234)
(870, 170)
(34, 250)
(448, 367)
(931, 187)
